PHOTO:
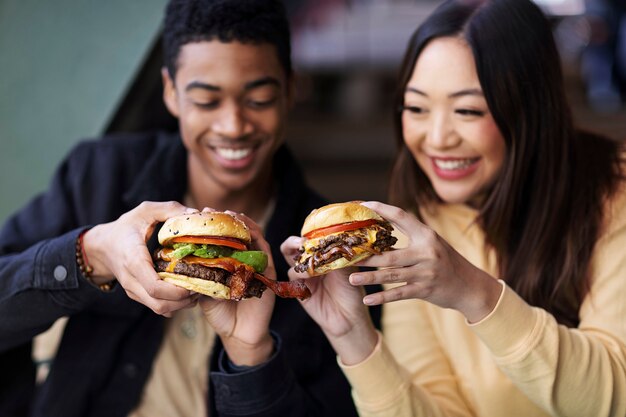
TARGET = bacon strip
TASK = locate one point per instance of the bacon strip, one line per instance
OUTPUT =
(291, 289)
(239, 281)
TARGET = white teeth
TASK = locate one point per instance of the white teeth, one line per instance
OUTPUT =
(233, 154)
(452, 164)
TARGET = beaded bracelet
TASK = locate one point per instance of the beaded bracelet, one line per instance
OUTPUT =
(85, 269)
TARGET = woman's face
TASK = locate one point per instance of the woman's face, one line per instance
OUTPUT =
(447, 125)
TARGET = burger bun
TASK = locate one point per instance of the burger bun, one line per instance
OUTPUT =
(338, 213)
(204, 224)
(211, 288)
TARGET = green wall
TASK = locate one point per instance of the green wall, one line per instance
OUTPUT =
(64, 65)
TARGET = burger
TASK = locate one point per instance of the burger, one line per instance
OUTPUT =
(340, 235)
(208, 252)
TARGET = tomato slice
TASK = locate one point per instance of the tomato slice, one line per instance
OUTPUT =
(210, 240)
(339, 228)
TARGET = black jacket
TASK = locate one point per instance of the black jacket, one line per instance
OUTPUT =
(110, 341)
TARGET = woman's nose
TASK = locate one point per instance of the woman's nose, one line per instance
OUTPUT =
(441, 133)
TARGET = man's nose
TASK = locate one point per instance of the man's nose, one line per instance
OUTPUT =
(231, 122)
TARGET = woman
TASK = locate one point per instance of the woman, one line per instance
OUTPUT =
(513, 280)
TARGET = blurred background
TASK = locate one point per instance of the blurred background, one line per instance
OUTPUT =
(73, 69)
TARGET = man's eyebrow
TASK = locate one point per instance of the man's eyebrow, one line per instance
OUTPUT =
(248, 86)
(203, 86)
(261, 82)
(467, 92)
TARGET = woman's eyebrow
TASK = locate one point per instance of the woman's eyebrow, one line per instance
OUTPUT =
(468, 92)
(465, 92)
(416, 91)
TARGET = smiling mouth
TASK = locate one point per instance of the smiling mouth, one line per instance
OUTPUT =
(454, 164)
(233, 154)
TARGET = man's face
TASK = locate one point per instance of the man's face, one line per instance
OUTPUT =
(231, 100)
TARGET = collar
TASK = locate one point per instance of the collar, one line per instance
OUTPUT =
(163, 176)
(291, 192)
(461, 216)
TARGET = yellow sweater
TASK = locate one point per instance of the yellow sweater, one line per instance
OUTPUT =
(515, 362)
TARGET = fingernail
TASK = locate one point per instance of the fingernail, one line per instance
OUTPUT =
(368, 300)
(356, 279)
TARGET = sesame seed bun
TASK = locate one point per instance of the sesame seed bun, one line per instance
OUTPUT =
(204, 224)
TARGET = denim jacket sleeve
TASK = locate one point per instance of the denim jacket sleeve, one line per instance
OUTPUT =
(269, 389)
(39, 278)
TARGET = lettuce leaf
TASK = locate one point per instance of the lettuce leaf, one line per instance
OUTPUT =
(212, 251)
(256, 259)
(183, 249)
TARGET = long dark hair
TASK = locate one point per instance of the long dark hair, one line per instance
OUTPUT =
(545, 211)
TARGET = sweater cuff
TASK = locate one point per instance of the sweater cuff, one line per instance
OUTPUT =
(377, 379)
(509, 330)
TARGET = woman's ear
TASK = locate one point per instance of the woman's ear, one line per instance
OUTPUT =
(169, 93)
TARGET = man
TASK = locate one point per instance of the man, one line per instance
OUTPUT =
(228, 80)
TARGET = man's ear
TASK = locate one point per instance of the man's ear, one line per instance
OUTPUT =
(169, 93)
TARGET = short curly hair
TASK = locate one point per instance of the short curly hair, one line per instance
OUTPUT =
(245, 21)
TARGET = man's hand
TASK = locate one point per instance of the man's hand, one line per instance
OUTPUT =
(117, 250)
(243, 326)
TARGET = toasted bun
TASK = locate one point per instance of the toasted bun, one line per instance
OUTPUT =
(337, 213)
(202, 286)
(340, 263)
(204, 224)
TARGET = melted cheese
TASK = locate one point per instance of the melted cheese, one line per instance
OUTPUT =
(171, 265)
(370, 235)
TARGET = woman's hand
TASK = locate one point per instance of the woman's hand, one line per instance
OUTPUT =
(337, 307)
(243, 326)
(429, 269)
(117, 250)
